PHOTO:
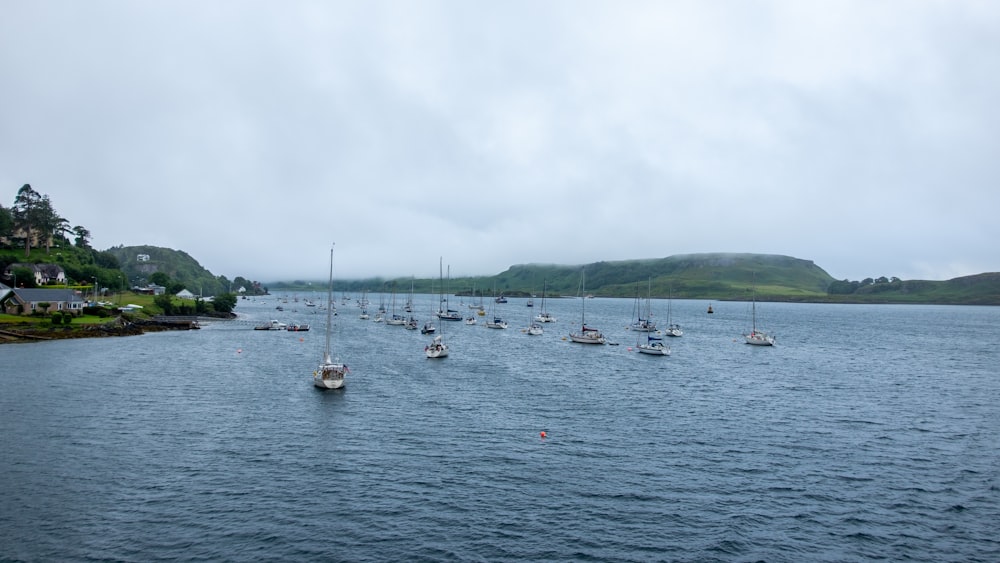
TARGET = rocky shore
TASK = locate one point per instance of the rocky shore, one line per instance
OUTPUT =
(34, 332)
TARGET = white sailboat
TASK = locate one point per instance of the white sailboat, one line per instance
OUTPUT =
(437, 348)
(653, 346)
(756, 337)
(654, 343)
(673, 329)
(445, 313)
(329, 374)
(544, 316)
(586, 335)
(494, 320)
(640, 324)
(395, 319)
(534, 327)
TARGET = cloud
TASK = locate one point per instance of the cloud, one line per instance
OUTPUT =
(252, 135)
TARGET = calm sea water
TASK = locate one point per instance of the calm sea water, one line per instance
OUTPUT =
(869, 432)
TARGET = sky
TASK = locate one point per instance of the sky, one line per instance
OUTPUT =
(862, 135)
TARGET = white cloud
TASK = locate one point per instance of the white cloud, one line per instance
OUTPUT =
(859, 135)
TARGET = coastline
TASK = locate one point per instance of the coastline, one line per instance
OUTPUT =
(29, 332)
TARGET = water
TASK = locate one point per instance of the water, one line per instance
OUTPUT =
(868, 432)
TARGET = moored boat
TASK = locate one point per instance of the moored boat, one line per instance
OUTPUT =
(329, 374)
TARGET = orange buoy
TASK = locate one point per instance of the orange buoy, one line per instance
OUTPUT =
(542, 434)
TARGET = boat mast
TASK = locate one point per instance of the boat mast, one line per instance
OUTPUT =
(329, 307)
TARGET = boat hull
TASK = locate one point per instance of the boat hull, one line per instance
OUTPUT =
(328, 383)
(759, 339)
(653, 350)
(587, 338)
(330, 376)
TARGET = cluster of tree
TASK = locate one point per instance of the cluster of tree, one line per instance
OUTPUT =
(223, 304)
(867, 285)
(33, 221)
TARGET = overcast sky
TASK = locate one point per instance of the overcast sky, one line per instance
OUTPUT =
(864, 136)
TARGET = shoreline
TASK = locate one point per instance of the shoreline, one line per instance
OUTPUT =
(28, 332)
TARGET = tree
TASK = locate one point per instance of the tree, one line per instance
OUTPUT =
(6, 222)
(107, 260)
(26, 214)
(224, 303)
(22, 277)
(160, 278)
(82, 239)
(165, 303)
(50, 223)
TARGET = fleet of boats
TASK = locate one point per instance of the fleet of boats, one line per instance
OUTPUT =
(330, 374)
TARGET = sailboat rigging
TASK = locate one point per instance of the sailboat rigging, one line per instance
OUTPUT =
(437, 348)
(587, 335)
(544, 316)
(756, 337)
(329, 374)
(654, 343)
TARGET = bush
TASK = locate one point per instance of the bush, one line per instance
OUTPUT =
(57, 318)
(67, 319)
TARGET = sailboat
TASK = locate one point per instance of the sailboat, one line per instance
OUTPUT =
(409, 300)
(476, 305)
(673, 329)
(445, 313)
(653, 346)
(756, 337)
(437, 348)
(641, 324)
(534, 327)
(654, 343)
(544, 316)
(587, 335)
(329, 374)
(497, 321)
(363, 304)
(395, 319)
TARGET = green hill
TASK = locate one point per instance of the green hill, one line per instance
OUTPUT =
(716, 276)
(704, 276)
(177, 264)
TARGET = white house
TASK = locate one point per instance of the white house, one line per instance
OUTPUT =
(185, 294)
(44, 273)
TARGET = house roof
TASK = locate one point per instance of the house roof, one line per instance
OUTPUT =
(34, 295)
(51, 270)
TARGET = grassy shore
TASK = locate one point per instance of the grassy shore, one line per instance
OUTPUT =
(22, 328)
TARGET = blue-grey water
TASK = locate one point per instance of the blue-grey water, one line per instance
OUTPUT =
(869, 432)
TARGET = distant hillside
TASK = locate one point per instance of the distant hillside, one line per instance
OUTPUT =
(979, 289)
(715, 276)
(177, 264)
(705, 276)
